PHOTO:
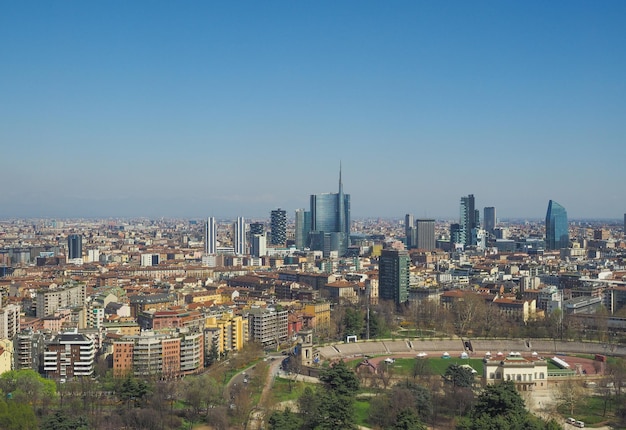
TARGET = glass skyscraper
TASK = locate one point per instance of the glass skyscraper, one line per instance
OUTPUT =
(393, 275)
(74, 246)
(330, 222)
(557, 229)
(469, 221)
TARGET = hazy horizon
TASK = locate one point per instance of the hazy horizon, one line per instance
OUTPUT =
(195, 109)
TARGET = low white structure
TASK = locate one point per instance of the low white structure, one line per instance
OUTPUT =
(528, 373)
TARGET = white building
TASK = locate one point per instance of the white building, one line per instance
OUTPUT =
(528, 373)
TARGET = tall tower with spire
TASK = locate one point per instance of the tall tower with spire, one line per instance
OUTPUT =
(330, 222)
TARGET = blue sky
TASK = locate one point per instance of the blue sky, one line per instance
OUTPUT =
(196, 108)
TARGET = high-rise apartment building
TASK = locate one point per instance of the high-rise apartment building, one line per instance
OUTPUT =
(239, 236)
(557, 228)
(469, 220)
(303, 227)
(330, 222)
(489, 215)
(268, 326)
(74, 246)
(278, 223)
(256, 228)
(393, 275)
(425, 234)
(210, 236)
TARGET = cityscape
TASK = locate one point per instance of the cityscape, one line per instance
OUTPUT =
(312, 216)
(142, 298)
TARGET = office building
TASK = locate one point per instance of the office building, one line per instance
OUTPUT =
(239, 236)
(393, 275)
(489, 215)
(409, 231)
(210, 236)
(303, 227)
(425, 234)
(330, 222)
(278, 224)
(469, 220)
(74, 246)
(259, 245)
(557, 228)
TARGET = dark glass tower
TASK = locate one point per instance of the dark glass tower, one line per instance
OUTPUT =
(330, 221)
(557, 229)
(393, 275)
(74, 246)
(303, 228)
(279, 227)
(490, 219)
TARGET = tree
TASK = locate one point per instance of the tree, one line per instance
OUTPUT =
(459, 376)
(501, 407)
(60, 420)
(339, 379)
(467, 312)
(569, 394)
(499, 399)
(352, 322)
(17, 416)
(408, 419)
(285, 420)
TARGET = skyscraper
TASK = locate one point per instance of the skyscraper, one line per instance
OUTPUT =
(74, 246)
(210, 236)
(279, 227)
(557, 228)
(489, 215)
(303, 227)
(259, 245)
(393, 275)
(239, 236)
(425, 234)
(469, 220)
(409, 230)
(330, 221)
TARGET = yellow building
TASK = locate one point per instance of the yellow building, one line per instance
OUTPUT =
(6, 355)
(226, 331)
(319, 315)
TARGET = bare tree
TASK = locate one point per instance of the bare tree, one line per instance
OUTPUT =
(569, 393)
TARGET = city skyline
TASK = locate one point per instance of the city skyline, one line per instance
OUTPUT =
(136, 109)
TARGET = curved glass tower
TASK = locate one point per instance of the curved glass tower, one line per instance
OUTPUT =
(557, 230)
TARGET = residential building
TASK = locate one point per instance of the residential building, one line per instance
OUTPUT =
(469, 220)
(68, 355)
(69, 296)
(28, 348)
(6, 355)
(267, 326)
(226, 331)
(393, 275)
(9, 321)
(278, 224)
(557, 228)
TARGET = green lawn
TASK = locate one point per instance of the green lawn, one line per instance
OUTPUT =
(362, 412)
(285, 389)
(590, 411)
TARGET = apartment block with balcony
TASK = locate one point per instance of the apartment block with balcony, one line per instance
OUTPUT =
(69, 355)
(267, 326)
